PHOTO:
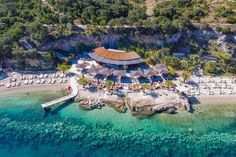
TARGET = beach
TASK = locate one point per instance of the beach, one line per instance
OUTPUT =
(33, 88)
(212, 100)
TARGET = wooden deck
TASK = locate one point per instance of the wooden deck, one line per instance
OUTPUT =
(73, 94)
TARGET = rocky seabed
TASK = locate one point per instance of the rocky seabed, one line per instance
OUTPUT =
(94, 139)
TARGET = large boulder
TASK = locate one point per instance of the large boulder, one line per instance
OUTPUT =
(227, 43)
(205, 34)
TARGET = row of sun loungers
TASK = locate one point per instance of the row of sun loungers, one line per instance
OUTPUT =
(43, 76)
(31, 82)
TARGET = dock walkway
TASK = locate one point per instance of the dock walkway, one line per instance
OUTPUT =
(74, 93)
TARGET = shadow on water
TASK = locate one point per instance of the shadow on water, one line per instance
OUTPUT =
(57, 108)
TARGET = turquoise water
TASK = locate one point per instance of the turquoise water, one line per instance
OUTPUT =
(68, 131)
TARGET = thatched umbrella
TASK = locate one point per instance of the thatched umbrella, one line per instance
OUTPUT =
(80, 66)
(160, 66)
(164, 71)
(119, 73)
(93, 70)
(137, 73)
(150, 73)
(105, 72)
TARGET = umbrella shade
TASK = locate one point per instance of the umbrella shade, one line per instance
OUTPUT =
(93, 70)
(163, 71)
(119, 73)
(150, 73)
(105, 72)
(160, 66)
(137, 73)
(80, 66)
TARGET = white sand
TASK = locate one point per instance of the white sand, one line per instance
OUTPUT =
(32, 88)
(211, 100)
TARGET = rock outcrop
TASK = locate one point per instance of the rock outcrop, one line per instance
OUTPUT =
(149, 105)
(138, 103)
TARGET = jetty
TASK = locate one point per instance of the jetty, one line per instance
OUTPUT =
(73, 94)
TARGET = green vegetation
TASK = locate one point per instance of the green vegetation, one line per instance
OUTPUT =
(169, 84)
(82, 47)
(226, 13)
(109, 83)
(99, 12)
(171, 70)
(64, 67)
(84, 81)
(53, 19)
(144, 86)
(186, 76)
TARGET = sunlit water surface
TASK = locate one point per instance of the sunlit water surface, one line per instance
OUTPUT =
(26, 130)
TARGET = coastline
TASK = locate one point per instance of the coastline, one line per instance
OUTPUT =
(33, 88)
(212, 100)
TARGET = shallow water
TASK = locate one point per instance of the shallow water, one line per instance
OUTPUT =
(26, 130)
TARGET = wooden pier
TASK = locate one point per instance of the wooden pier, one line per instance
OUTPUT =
(73, 94)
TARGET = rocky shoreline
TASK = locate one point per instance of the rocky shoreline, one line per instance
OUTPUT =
(139, 105)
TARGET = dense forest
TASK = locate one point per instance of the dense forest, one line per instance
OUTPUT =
(43, 20)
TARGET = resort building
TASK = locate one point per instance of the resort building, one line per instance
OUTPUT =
(115, 57)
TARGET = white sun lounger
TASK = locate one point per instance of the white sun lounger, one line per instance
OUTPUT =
(60, 80)
(53, 81)
(18, 83)
(8, 85)
(45, 76)
(38, 81)
(31, 82)
(13, 84)
(26, 82)
(64, 80)
(49, 81)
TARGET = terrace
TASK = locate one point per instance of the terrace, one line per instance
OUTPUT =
(119, 71)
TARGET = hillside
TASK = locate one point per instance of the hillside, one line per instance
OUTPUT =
(42, 21)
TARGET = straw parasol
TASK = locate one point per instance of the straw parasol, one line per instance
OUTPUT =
(163, 71)
(119, 73)
(150, 73)
(93, 70)
(160, 66)
(105, 72)
(137, 73)
(80, 66)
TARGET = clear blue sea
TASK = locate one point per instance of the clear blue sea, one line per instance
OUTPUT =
(69, 131)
